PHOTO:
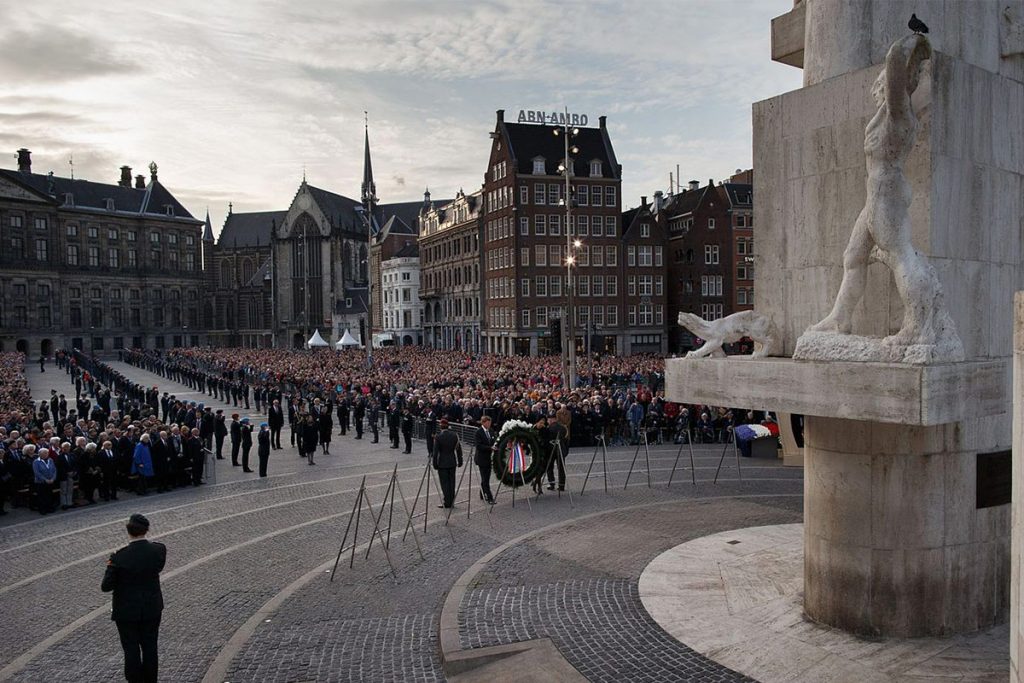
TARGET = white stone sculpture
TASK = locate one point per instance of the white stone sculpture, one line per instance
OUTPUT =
(731, 329)
(882, 233)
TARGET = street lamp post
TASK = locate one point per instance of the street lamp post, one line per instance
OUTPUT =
(568, 131)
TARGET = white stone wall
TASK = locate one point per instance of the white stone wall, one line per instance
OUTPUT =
(845, 35)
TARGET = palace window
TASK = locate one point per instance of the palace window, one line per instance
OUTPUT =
(72, 254)
(41, 250)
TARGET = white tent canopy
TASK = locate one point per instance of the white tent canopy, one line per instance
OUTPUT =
(346, 341)
(316, 341)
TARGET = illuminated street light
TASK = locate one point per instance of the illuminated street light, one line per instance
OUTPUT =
(565, 168)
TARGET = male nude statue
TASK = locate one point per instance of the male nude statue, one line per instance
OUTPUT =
(884, 222)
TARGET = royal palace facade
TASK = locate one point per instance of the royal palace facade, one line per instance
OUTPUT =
(96, 266)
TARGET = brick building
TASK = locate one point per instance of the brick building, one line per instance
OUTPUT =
(524, 237)
(645, 300)
(450, 264)
(710, 236)
(96, 266)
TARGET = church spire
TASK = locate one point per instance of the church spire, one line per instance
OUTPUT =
(369, 194)
(208, 228)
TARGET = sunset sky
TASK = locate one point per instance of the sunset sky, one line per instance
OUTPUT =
(234, 99)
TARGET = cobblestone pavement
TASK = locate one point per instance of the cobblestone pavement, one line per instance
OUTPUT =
(235, 545)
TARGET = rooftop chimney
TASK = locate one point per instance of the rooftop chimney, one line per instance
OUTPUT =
(694, 184)
(24, 160)
(501, 115)
(602, 120)
(126, 176)
(643, 200)
(140, 182)
(658, 195)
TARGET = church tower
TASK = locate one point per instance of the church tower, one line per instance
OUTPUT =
(209, 270)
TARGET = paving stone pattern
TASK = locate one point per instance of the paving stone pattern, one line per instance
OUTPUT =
(578, 586)
(234, 546)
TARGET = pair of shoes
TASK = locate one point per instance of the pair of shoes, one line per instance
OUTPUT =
(247, 470)
(441, 506)
(220, 457)
(490, 501)
(551, 487)
(561, 488)
(235, 464)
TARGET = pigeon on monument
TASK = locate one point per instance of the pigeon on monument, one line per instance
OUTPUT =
(916, 25)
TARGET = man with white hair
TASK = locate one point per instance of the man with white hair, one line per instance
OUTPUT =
(44, 473)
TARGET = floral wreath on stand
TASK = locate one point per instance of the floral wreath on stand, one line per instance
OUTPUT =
(518, 454)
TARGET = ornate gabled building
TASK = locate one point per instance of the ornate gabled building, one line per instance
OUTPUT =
(524, 237)
(96, 266)
(450, 265)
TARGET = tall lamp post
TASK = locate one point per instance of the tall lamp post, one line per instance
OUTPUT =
(567, 132)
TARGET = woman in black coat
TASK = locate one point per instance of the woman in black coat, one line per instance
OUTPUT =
(326, 424)
(310, 436)
(263, 447)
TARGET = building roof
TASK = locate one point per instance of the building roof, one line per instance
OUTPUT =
(249, 229)
(684, 202)
(80, 194)
(339, 209)
(354, 301)
(527, 141)
(740, 195)
(410, 250)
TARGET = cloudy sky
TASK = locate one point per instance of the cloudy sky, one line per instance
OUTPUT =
(233, 99)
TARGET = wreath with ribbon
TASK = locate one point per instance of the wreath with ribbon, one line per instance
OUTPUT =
(518, 456)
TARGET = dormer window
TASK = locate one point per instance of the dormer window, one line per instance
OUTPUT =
(110, 204)
(69, 199)
(169, 208)
(595, 169)
(538, 166)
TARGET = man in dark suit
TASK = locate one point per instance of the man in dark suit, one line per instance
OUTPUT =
(446, 457)
(407, 424)
(484, 442)
(275, 420)
(107, 462)
(236, 438)
(133, 574)
(220, 430)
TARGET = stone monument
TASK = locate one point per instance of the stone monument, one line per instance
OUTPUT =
(916, 240)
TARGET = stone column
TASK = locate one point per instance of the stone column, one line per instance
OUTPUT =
(894, 543)
(1016, 616)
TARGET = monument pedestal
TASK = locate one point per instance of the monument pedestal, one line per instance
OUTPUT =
(895, 543)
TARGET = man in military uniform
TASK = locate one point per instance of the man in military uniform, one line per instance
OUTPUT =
(133, 575)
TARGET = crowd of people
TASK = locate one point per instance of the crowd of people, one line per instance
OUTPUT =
(407, 389)
(119, 435)
(109, 438)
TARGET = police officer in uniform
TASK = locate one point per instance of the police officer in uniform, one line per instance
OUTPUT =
(133, 574)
